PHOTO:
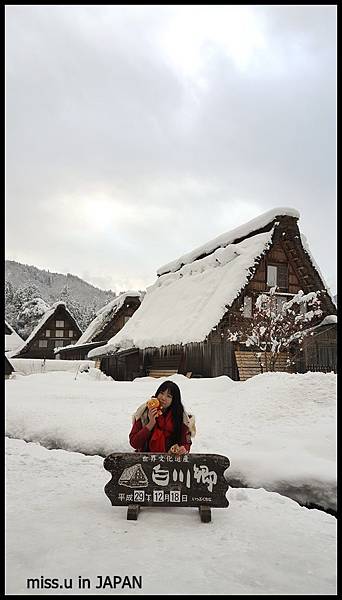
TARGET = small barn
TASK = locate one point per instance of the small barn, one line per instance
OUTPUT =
(57, 327)
(108, 321)
(182, 324)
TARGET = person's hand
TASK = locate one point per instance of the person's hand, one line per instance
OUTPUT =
(178, 450)
(152, 415)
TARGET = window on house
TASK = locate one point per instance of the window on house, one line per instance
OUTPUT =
(277, 275)
(247, 306)
(42, 343)
(59, 323)
(71, 333)
(280, 300)
(303, 308)
(59, 333)
(59, 343)
(271, 275)
(47, 333)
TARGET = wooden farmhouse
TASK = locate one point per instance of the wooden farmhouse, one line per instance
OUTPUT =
(108, 321)
(56, 328)
(182, 323)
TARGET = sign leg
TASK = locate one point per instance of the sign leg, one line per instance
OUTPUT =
(205, 513)
(132, 512)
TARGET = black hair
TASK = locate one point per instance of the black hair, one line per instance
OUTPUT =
(176, 408)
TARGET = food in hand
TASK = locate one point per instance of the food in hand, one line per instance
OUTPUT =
(176, 449)
(154, 403)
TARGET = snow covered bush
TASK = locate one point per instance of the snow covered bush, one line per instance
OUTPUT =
(276, 325)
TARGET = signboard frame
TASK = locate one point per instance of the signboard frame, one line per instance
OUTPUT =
(163, 479)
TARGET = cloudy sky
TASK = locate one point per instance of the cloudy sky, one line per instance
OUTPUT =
(136, 133)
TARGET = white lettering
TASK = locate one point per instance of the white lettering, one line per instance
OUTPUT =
(208, 477)
(160, 476)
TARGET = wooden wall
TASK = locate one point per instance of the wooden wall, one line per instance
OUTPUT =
(123, 367)
(319, 351)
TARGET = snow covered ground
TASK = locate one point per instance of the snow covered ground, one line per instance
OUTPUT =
(279, 432)
(61, 525)
(30, 366)
(277, 429)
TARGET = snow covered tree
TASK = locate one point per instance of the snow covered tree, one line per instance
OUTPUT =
(30, 315)
(25, 294)
(83, 314)
(10, 309)
(9, 292)
(276, 325)
(15, 300)
(77, 311)
(89, 313)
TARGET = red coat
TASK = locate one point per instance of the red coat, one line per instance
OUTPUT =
(140, 435)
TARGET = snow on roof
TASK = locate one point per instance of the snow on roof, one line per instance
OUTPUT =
(184, 306)
(12, 340)
(43, 320)
(328, 320)
(229, 237)
(103, 316)
(315, 265)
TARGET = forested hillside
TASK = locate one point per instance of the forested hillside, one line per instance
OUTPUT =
(29, 291)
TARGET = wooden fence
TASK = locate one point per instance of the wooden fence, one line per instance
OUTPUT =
(322, 368)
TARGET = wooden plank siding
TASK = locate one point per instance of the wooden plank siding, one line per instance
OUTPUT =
(249, 364)
(319, 351)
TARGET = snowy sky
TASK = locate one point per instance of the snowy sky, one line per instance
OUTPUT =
(136, 133)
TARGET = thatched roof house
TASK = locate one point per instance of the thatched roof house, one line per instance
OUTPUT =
(108, 321)
(183, 320)
(56, 328)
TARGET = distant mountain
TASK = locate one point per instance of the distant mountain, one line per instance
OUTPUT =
(24, 281)
(51, 284)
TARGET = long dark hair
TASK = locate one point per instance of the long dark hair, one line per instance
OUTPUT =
(176, 408)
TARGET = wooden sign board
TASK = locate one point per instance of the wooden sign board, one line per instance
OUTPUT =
(151, 479)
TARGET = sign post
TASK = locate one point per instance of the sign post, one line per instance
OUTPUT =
(162, 479)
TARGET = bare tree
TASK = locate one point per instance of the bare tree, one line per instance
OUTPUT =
(276, 324)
